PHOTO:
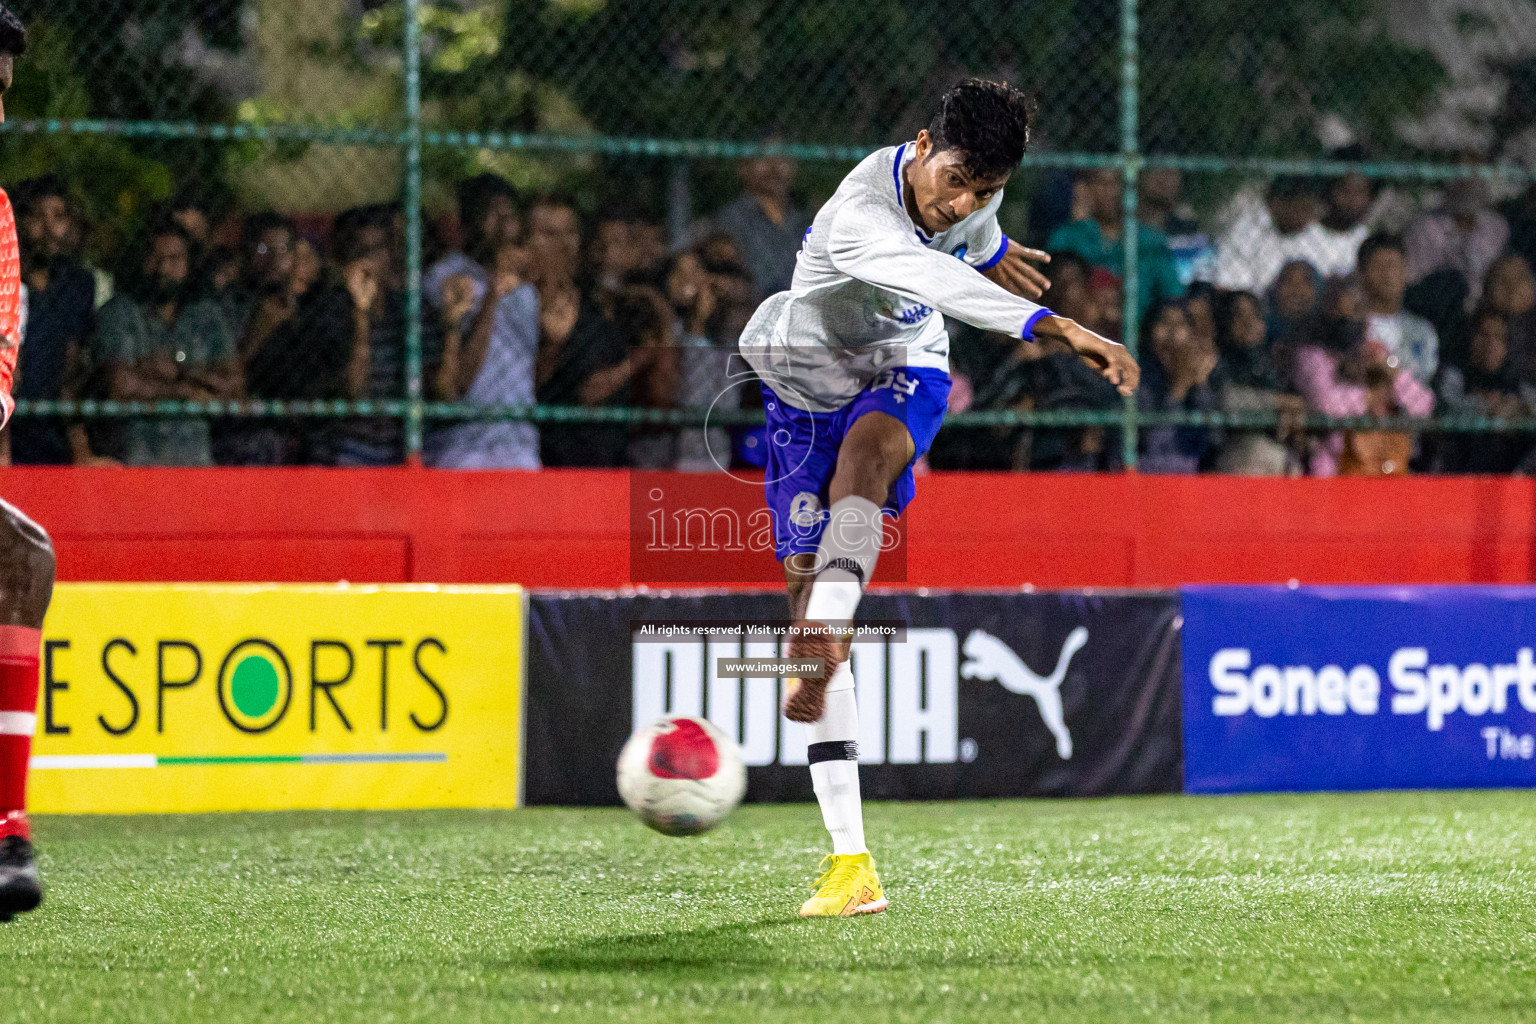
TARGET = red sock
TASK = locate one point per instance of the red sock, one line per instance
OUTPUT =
(19, 648)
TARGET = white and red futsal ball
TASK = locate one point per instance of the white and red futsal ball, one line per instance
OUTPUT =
(681, 775)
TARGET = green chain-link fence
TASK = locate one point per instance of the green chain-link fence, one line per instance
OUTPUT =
(1202, 120)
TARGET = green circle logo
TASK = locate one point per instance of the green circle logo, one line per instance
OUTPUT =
(255, 686)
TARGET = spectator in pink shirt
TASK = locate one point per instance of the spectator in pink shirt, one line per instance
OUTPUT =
(1332, 374)
(1464, 235)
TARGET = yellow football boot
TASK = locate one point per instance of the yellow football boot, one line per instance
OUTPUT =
(850, 886)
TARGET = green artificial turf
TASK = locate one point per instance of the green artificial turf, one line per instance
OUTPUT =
(1280, 908)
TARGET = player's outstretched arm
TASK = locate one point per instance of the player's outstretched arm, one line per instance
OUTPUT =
(1015, 273)
(1113, 361)
(875, 245)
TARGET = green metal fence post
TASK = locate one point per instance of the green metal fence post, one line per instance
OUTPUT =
(413, 391)
(1131, 169)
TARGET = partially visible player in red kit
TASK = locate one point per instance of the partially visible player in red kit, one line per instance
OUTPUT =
(26, 573)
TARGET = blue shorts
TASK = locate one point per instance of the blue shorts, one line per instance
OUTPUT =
(803, 447)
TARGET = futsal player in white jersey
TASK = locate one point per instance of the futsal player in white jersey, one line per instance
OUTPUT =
(854, 365)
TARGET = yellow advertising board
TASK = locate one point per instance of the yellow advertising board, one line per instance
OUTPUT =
(180, 698)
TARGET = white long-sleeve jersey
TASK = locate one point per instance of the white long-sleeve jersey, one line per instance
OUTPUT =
(867, 284)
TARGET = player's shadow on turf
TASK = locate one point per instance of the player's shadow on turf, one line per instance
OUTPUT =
(723, 948)
(727, 949)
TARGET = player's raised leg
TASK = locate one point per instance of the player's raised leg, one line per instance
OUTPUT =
(26, 587)
(824, 592)
(825, 589)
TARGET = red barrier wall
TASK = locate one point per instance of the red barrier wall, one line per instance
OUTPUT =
(569, 528)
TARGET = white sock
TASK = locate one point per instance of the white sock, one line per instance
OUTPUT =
(850, 546)
(834, 754)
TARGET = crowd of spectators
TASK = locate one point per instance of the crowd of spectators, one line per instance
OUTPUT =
(1333, 297)
(524, 303)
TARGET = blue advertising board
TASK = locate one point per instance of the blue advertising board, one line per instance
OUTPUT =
(1310, 688)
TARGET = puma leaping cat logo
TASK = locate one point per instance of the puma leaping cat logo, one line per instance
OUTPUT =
(987, 657)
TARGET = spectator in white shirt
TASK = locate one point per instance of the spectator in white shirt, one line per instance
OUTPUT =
(490, 317)
(1347, 202)
(1265, 238)
(1410, 340)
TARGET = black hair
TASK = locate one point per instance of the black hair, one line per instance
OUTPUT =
(706, 249)
(139, 282)
(1202, 290)
(1376, 243)
(475, 195)
(699, 251)
(1291, 186)
(987, 122)
(1335, 331)
(1224, 310)
(1350, 153)
(29, 193)
(385, 213)
(221, 256)
(1155, 313)
(351, 223)
(1354, 153)
(1063, 258)
(187, 199)
(163, 225)
(13, 34)
(624, 208)
(258, 224)
(638, 316)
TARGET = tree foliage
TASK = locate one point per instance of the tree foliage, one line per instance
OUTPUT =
(1216, 77)
(140, 59)
(115, 181)
(1257, 79)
